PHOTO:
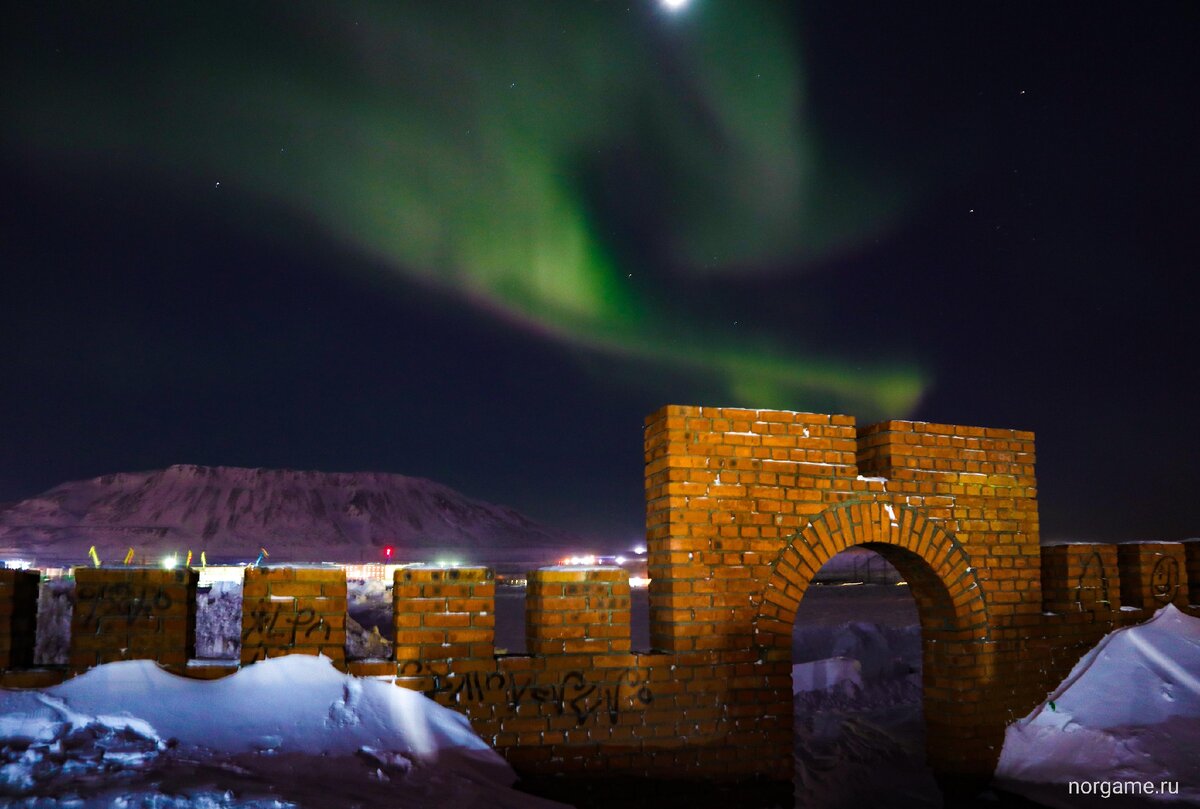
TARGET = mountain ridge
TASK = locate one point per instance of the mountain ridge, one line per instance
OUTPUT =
(295, 514)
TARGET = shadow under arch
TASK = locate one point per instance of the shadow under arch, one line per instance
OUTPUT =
(962, 743)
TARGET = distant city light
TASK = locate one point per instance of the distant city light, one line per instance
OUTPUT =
(387, 552)
(587, 559)
(638, 581)
(170, 562)
(639, 550)
(673, 5)
(18, 564)
(620, 560)
(448, 563)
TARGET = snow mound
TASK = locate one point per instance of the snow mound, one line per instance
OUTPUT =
(882, 652)
(823, 675)
(1128, 711)
(861, 744)
(297, 703)
(291, 728)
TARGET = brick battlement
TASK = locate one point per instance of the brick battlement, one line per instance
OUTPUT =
(18, 617)
(577, 611)
(743, 508)
(442, 615)
(294, 611)
(133, 613)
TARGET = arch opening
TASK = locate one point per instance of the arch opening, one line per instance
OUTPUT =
(858, 723)
(955, 658)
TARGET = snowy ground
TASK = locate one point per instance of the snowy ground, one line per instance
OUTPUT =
(859, 729)
(289, 732)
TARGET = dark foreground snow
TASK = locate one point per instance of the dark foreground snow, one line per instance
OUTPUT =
(290, 731)
(1128, 712)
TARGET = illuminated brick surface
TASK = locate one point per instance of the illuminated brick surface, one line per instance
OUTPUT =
(743, 507)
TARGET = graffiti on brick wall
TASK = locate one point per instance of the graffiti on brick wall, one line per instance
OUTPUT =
(572, 695)
(1164, 579)
(1093, 566)
(281, 625)
(121, 600)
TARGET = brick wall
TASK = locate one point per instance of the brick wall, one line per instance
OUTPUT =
(131, 613)
(294, 610)
(1153, 574)
(577, 611)
(1081, 578)
(1191, 552)
(744, 506)
(442, 615)
(743, 509)
(18, 617)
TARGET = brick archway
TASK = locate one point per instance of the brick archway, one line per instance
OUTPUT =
(955, 626)
(937, 568)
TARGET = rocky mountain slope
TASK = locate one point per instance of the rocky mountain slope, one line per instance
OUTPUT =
(230, 512)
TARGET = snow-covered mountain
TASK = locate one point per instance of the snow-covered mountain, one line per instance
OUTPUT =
(231, 512)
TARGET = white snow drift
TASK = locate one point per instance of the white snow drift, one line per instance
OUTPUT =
(292, 731)
(1129, 711)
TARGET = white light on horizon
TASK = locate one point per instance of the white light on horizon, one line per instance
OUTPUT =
(673, 5)
(170, 562)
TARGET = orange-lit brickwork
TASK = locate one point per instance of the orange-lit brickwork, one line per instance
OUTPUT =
(1153, 574)
(294, 610)
(441, 615)
(133, 613)
(1081, 578)
(743, 507)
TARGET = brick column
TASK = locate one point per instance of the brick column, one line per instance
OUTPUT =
(577, 610)
(294, 610)
(127, 613)
(1191, 552)
(1153, 574)
(725, 490)
(1081, 577)
(442, 615)
(18, 617)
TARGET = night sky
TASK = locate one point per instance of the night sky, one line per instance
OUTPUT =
(480, 241)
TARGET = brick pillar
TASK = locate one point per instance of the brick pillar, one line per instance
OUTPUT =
(1153, 574)
(129, 613)
(18, 617)
(442, 615)
(574, 610)
(294, 610)
(1191, 552)
(1081, 578)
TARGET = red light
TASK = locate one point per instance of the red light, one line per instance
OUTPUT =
(387, 552)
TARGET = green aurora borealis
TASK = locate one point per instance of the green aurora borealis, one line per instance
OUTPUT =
(470, 146)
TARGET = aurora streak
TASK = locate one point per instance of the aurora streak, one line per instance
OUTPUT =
(474, 155)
